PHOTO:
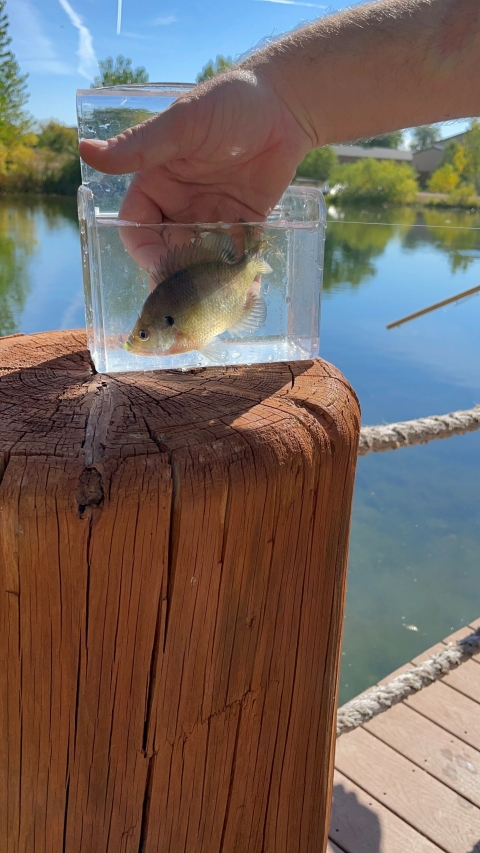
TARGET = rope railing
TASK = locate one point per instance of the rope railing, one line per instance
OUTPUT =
(374, 439)
(383, 696)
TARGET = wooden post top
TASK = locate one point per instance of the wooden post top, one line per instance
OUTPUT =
(53, 403)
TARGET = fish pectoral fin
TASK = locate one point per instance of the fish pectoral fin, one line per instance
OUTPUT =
(263, 268)
(252, 318)
(214, 350)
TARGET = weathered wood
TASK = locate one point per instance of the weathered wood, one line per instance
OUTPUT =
(451, 710)
(430, 747)
(360, 824)
(172, 574)
(466, 679)
(440, 814)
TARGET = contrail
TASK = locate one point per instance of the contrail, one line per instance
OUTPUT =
(119, 17)
(88, 61)
(293, 3)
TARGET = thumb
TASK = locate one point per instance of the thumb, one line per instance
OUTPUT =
(147, 144)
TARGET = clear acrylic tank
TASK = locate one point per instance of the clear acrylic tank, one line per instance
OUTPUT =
(271, 311)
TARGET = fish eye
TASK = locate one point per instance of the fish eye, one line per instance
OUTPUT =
(143, 335)
(169, 321)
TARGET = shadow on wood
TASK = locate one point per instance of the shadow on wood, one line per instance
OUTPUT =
(172, 567)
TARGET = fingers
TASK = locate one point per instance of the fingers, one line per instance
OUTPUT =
(148, 144)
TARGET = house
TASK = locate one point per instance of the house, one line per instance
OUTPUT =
(352, 153)
(427, 160)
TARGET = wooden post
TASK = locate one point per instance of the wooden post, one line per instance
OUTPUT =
(172, 574)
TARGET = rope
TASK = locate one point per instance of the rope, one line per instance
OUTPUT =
(383, 696)
(406, 433)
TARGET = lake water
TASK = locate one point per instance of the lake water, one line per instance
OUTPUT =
(414, 572)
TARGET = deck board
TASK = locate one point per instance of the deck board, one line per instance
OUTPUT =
(465, 679)
(332, 848)
(430, 747)
(360, 824)
(449, 709)
(427, 805)
(409, 780)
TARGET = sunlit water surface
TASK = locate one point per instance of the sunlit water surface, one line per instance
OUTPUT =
(415, 549)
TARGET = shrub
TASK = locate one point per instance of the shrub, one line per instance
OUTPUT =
(318, 164)
(377, 182)
(444, 179)
(64, 180)
(58, 137)
(463, 196)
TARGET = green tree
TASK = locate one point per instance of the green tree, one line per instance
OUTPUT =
(471, 144)
(376, 182)
(118, 73)
(57, 137)
(387, 140)
(444, 179)
(318, 164)
(16, 138)
(425, 136)
(13, 86)
(211, 69)
(449, 152)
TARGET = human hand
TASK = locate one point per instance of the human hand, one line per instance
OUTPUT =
(226, 151)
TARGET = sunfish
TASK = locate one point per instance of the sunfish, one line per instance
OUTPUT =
(201, 291)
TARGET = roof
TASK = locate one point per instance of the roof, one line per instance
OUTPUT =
(377, 153)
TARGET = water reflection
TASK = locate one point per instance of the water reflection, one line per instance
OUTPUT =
(415, 543)
(40, 274)
(453, 232)
(356, 238)
(18, 242)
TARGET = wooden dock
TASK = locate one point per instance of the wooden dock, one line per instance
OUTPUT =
(409, 780)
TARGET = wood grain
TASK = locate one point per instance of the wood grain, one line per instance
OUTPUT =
(435, 811)
(172, 575)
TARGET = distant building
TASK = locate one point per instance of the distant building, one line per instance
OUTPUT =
(427, 160)
(352, 153)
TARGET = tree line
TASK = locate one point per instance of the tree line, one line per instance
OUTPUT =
(43, 157)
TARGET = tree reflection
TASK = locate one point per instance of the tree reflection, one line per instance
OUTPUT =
(353, 242)
(18, 242)
(455, 232)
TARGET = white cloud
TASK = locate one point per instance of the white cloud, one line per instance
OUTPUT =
(292, 3)
(88, 64)
(34, 50)
(163, 22)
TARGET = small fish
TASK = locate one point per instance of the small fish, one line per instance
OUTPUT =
(201, 291)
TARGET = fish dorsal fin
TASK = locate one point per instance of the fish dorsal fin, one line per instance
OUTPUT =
(213, 247)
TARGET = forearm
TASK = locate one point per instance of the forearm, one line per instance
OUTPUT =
(379, 67)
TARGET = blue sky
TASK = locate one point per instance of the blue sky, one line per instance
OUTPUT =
(59, 42)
